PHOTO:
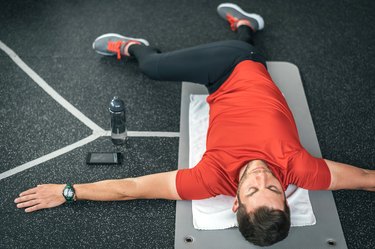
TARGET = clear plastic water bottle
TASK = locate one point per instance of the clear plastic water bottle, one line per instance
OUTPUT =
(118, 121)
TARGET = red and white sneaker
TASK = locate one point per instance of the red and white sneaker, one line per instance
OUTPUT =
(233, 13)
(115, 44)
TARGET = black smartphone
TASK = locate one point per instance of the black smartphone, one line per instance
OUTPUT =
(104, 158)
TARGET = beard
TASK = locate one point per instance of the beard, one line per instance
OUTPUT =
(242, 179)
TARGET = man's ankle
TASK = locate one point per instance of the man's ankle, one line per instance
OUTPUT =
(244, 22)
(125, 50)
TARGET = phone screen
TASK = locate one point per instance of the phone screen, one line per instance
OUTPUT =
(103, 158)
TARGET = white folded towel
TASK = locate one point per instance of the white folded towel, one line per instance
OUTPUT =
(216, 212)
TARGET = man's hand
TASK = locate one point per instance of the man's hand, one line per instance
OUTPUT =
(40, 197)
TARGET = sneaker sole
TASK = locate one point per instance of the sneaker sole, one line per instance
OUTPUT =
(257, 17)
(118, 36)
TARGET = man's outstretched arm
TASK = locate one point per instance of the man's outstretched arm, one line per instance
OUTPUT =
(345, 176)
(155, 186)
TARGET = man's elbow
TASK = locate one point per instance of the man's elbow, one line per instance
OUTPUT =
(128, 189)
(369, 176)
(368, 180)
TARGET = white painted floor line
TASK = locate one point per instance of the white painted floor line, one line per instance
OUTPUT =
(55, 95)
(49, 156)
(148, 134)
(152, 134)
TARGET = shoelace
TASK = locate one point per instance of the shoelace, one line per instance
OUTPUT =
(115, 47)
(232, 21)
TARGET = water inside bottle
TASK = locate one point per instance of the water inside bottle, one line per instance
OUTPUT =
(118, 138)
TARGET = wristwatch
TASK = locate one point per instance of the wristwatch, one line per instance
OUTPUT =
(69, 193)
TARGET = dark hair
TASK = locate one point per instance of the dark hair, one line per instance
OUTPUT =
(265, 226)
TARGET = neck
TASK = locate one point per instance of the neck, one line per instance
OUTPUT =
(249, 165)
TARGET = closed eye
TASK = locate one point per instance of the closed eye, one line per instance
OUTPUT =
(274, 189)
(252, 192)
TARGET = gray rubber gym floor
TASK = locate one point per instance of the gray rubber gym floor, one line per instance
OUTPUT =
(332, 43)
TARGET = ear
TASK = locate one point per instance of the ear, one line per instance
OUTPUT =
(235, 205)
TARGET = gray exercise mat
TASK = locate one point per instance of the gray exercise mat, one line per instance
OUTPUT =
(327, 233)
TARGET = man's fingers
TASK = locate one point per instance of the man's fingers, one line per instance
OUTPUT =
(25, 198)
(27, 204)
(28, 192)
(34, 208)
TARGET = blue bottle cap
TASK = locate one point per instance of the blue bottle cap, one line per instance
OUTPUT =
(116, 105)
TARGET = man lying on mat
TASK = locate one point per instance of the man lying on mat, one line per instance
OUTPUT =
(253, 151)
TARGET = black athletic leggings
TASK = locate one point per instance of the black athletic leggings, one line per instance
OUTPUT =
(209, 64)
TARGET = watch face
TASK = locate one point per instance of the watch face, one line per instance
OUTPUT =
(68, 193)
